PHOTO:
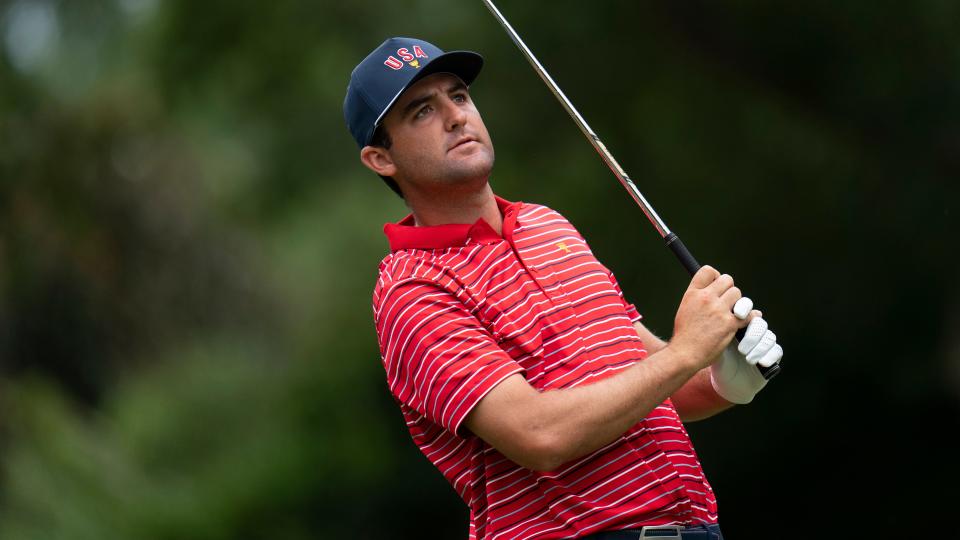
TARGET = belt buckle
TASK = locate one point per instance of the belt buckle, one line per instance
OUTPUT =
(666, 532)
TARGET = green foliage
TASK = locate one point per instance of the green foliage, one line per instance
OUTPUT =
(188, 245)
(214, 442)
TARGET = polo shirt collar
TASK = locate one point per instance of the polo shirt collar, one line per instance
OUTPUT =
(405, 235)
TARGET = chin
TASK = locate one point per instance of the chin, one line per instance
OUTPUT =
(476, 176)
(475, 168)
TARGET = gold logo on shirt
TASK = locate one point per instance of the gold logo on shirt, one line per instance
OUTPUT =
(563, 246)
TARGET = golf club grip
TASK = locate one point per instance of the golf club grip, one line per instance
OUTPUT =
(686, 259)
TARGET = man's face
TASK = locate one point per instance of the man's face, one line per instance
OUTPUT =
(438, 136)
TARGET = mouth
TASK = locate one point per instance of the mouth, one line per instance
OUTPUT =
(462, 141)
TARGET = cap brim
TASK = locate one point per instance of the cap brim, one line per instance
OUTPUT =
(464, 64)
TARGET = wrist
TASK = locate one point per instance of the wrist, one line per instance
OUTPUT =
(686, 358)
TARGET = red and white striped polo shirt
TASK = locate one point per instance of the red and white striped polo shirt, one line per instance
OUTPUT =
(458, 309)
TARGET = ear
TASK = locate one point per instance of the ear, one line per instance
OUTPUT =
(378, 160)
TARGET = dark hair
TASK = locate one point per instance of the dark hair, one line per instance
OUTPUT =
(382, 139)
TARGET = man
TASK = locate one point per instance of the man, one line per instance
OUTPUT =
(523, 374)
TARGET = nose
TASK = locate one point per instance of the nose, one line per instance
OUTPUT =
(455, 116)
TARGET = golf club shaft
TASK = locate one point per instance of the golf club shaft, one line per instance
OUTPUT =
(671, 239)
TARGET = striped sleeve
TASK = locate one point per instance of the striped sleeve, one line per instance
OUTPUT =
(631, 309)
(439, 359)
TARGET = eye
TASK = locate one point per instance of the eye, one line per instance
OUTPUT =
(423, 111)
(460, 98)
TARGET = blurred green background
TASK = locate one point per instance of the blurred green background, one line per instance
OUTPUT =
(188, 244)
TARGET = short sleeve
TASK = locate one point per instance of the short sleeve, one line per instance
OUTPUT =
(632, 312)
(439, 359)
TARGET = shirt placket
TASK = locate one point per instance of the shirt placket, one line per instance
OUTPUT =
(531, 271)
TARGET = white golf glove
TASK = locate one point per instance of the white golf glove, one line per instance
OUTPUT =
(735, 376)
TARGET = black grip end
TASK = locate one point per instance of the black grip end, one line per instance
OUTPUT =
(769, 372)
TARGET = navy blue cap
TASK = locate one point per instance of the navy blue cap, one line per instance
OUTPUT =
(391, 68)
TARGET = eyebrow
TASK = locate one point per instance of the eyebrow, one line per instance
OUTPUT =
(415, 103)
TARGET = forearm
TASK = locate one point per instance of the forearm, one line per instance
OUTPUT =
(587, 418)
(541, 430)
(697, 399)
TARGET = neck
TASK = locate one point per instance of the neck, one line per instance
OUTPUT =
(456, 207)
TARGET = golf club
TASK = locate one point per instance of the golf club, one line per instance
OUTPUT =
(671, 239)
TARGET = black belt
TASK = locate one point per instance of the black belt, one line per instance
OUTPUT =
(663, 532)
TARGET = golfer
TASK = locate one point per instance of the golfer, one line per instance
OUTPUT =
(523, 374)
